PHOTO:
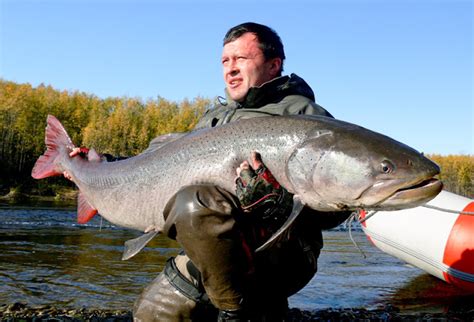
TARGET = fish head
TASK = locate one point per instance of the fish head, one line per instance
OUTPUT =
(347, 167)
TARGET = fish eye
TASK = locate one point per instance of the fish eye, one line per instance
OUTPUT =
(387, 167)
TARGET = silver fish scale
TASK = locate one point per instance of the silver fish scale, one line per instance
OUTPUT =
(134, 192)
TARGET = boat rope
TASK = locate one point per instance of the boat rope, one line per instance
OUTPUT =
(469, 213)
(370, 214)
(349, 222)
(451, 211)
(356, 216)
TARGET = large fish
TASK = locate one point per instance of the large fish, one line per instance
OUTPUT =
(328, 164)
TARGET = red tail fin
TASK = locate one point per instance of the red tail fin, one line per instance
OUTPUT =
(57, 142)
(56, 139)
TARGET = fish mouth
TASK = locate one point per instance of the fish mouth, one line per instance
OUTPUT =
(412, 196)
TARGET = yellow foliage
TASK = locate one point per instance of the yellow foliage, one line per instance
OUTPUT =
(457, 173)
(124, 127)
(119, 126)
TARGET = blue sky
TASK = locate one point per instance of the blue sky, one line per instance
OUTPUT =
(403, 68)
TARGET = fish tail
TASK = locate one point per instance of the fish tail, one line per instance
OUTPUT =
(57, 142)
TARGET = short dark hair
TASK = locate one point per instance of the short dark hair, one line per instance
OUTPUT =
(270, 42)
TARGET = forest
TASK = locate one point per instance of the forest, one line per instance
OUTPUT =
(120, 126)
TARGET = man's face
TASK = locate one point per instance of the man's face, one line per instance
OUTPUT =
(244, 66)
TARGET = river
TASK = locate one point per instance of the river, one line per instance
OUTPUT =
(46, 258)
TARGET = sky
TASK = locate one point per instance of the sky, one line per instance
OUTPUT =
(403, 68)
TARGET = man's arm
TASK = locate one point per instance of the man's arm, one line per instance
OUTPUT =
(263, 198)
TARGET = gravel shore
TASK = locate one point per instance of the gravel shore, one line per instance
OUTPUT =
(19, 312)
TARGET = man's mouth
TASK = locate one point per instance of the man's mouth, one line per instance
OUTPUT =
(234, 83)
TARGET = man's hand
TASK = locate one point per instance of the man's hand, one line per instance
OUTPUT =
(256, 185)
(75, 152)
(79, 151)
(266, 202)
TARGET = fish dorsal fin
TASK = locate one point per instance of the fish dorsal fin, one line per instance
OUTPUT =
(134, 246)
(93, 156)
(162, 140)
(85, 211)
(285, 228)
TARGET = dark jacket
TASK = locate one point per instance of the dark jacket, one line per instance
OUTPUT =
(286, 95)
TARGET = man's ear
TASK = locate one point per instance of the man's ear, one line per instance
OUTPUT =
(275, 66)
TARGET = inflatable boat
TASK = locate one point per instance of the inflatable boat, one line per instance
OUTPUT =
(437, 237)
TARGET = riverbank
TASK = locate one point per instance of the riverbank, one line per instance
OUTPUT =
(22, 312)
(15, 195)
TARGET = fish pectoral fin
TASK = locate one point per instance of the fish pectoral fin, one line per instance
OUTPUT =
(134, 246)
(85, 211)
(284, 229)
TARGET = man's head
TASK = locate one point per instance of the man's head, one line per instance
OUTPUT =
(253, 54)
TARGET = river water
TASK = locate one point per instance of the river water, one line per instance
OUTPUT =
(47, 258)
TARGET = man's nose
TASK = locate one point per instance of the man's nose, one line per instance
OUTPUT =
(233, 69)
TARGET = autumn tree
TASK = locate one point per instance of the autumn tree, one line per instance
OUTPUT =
(119, 126)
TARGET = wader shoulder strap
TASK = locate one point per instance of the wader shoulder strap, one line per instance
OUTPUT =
(182, 284)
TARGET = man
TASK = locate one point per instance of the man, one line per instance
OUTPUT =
(219, 233)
